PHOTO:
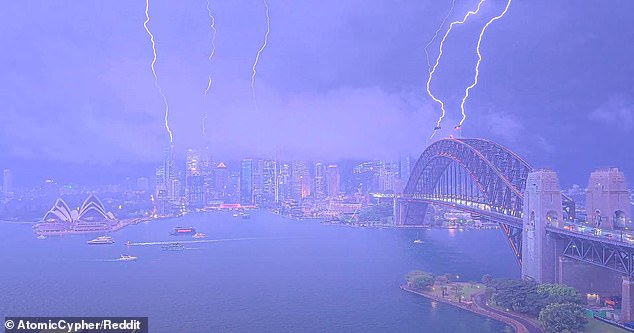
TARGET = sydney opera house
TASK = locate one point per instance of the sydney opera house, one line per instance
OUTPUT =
(90, 217)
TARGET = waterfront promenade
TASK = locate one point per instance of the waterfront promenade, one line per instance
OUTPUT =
(479, 306)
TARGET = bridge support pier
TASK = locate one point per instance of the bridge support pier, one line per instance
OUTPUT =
(627, 308)
(409, 212)
(542, 208)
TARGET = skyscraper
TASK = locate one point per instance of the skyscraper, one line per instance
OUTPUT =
(246, 182)
(7, 182)
(221, 178)
(161, 201)
(405, 167)
(300, 180)
(258, 182)
(332, 180)
(320, 180)
(194, 179)
(283, 182)
(268, 180)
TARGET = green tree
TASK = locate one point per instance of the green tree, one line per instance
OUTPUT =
(558, 293)
(420, 280)
(517, 295)
(486, 279)
(558, 318)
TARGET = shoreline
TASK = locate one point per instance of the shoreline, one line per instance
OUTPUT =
(474, 308)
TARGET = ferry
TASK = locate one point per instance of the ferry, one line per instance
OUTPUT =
(101, 240)
(173, 247)
(200, 235)
(125, 257)
(183, 231)
(246, 216)
(41, 237)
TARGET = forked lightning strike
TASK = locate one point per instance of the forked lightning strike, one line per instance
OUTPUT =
(431, 73)
(211, 55)
(257, 57)
(442, 24)
(156, 84)
(477, 68)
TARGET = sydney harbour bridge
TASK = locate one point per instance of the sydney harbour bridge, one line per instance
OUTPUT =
(538, 220)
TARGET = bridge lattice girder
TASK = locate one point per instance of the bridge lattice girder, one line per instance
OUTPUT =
(499, 173)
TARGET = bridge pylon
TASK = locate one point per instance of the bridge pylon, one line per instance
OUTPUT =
(542, 208)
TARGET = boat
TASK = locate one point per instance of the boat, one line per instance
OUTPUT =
(173, 247)
(418, 240)
(183, 231)
(200, 235)
(235, 215)
(125, 257)
(246, 216)
(101, 240)
(41, 237)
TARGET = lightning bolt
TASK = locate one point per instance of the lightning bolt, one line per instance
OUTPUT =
(257, 57)
(453, 4)
(211, 55)
(477, 68)
(433, 70)
(156, 84)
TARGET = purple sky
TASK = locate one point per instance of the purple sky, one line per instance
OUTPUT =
(339, 79)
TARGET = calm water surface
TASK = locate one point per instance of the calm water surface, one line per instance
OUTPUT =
(270, 274)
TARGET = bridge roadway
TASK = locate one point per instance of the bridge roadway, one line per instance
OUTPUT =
(470, 207)
(612, 249)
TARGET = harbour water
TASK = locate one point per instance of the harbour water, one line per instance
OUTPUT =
(263, 274)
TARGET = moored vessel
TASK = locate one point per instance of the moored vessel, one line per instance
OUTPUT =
(101, 240)
(183, 231)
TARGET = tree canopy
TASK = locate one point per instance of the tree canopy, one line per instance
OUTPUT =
(420, 280)
(564, 317)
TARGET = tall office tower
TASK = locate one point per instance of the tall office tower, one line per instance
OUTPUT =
(194, 179)
(169, 172)
(221, 178)
(258, 182)
(7, 182)
(283, 182)
(233, 187)
(405, 167)
(300, 188)
(193, 162)
(161, 202)
(388, 174)
(320, 180)
(246, 182)
(607, 200)
(174, 189)
(332, 180)
(208, 172)
(269, 168)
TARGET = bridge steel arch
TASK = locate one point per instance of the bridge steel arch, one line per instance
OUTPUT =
(499, 174)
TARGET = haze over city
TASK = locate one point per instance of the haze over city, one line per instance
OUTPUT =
(338, 80)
